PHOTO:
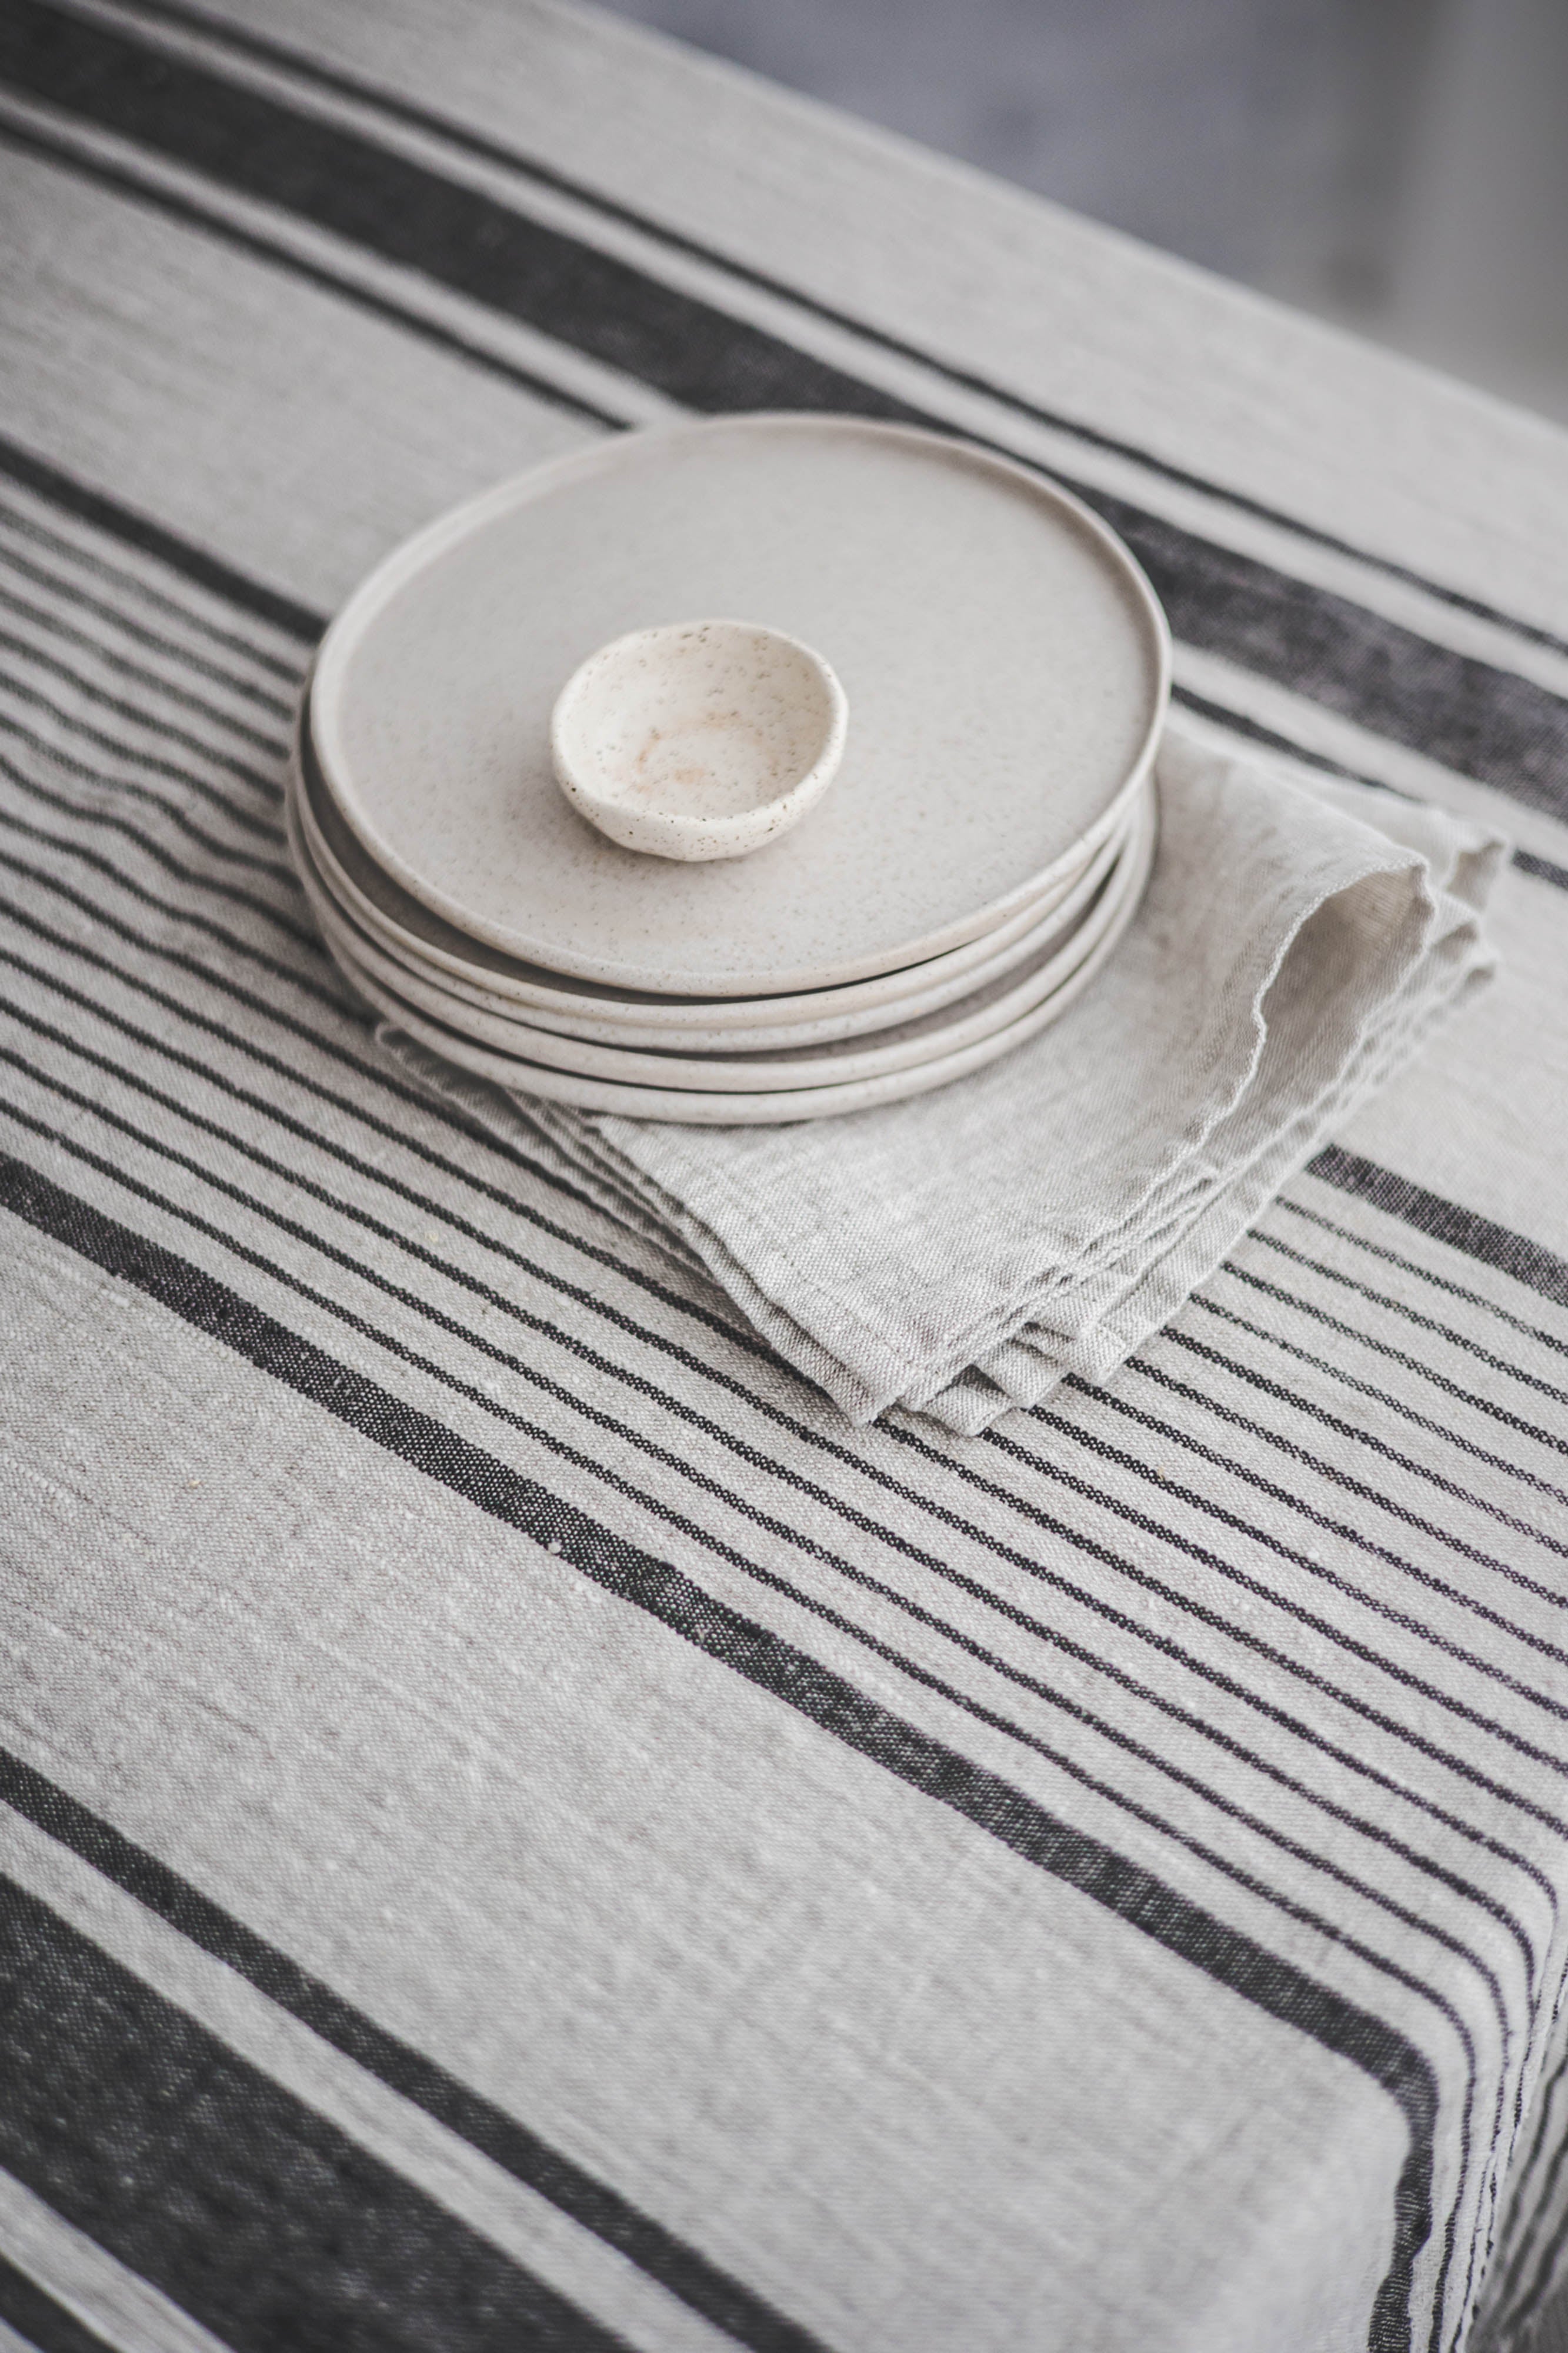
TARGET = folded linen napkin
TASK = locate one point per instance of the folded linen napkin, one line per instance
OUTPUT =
(958, 1253)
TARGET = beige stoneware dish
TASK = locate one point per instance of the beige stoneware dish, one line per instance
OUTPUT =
(428, 946)
(974, 1018)
(857, 1011)
(1004, 661)
(774, 1108)
(698, 739)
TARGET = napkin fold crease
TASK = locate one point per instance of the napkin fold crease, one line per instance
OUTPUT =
(958, 1254)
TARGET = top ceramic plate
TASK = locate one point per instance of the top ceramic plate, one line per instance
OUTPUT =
(415, 977)
(413, 934)
(1006, 661)
(769, 1109)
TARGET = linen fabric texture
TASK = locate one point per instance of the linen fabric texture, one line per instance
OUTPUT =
(958, 1253)
(520, 1825)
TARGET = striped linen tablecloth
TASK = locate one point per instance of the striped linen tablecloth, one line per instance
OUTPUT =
(520, 1826)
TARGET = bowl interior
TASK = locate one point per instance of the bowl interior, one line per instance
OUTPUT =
(703, 720)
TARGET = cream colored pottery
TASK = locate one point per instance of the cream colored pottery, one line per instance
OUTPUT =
(427, 945)
(1005, 662)
(700, 739)
(772, 1109)
(975, 1017)
(687, 1029)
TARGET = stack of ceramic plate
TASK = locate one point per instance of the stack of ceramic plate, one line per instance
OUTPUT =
(976, 857)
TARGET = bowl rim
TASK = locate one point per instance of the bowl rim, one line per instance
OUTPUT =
(381, 586)
(742, 827)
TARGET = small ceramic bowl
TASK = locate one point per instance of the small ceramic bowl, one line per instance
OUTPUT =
(702, 739)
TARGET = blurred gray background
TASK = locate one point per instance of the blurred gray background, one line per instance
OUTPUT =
(1398, 166)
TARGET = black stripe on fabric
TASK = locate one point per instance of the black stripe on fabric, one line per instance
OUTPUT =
(1531, 2229)
(1357, 1537)
(1518, 2301)
(451, 232)
(592, 2204)
(58, 584)
(446, 1114)
(191, 214)
(458, 135)
(1095, 1443)
(1542, 868)
(15, 732)
(1269, 739)
(33, 2314)
(248, 2209)
(1462, 1229)
(1282, 1601)
(1060, 1700)
(1484, 721)
(197, 565)
(272, 868)
(1428, 1275)
(113, 659)
(1355, 1434)
(1003, 1550)
(1407, 1363)
(1224, 1954)
(324, 993)
(1345, 1379)
(1238, 722)
(138, 716)
(29, 693)
(1293, 1452)
(1247, 1638)
(265, 822)
(1423, 1322)
(306, 937)
(1545, 2269)
(182, 656)
(92, 560)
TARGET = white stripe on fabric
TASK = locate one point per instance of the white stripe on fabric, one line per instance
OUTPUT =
(517, 2220)
(127, 2311)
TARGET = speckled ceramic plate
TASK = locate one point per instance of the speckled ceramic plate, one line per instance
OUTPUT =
(773, 1106)
(674, 1024)
(1006, 661)
(974, 1018)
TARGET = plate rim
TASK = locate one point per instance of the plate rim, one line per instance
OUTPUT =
(607, 1097)
(362, 607)
(1099, 917)
(593, 1022)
